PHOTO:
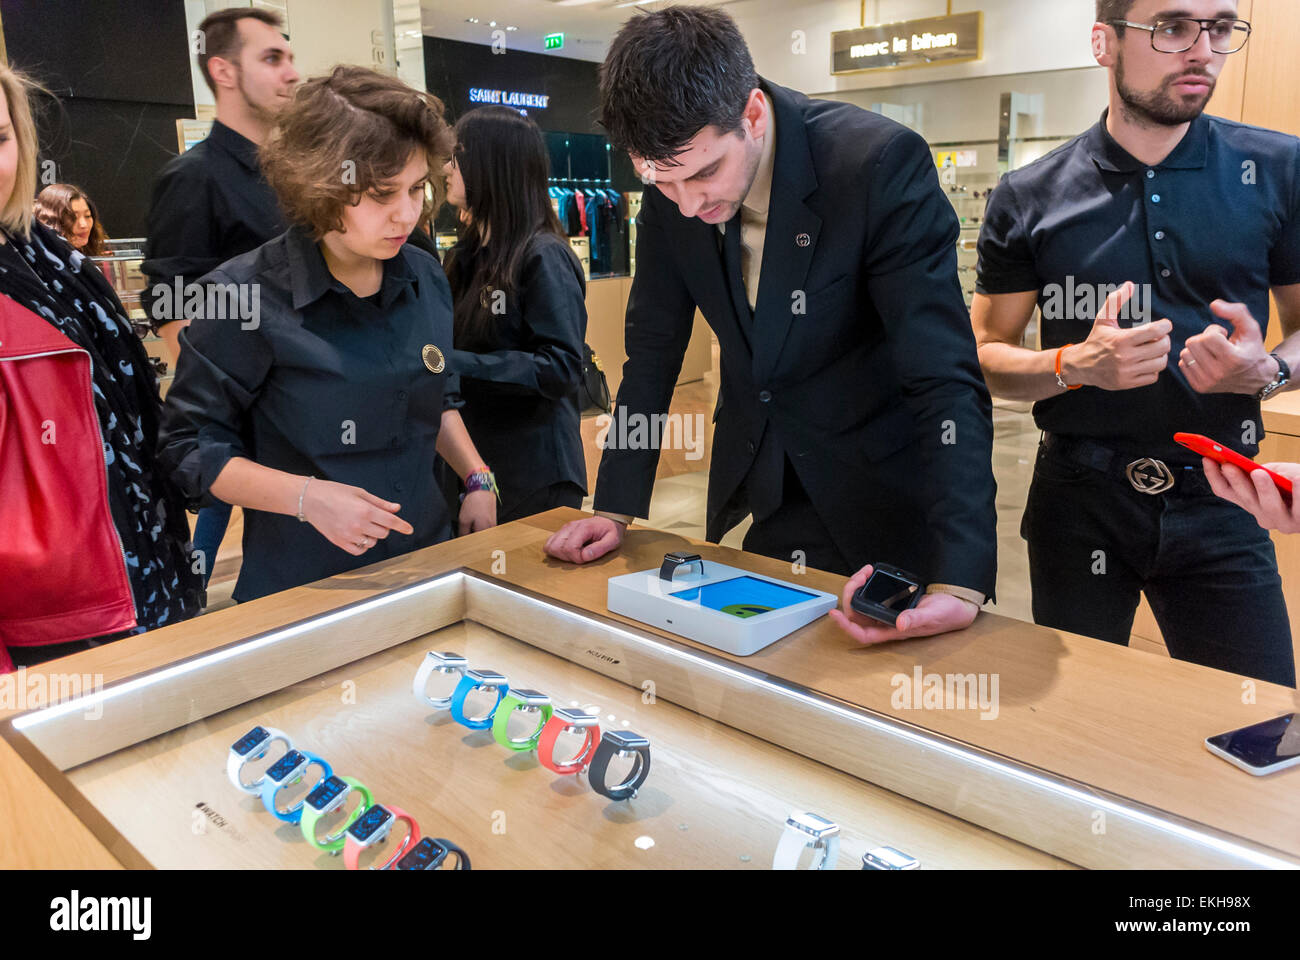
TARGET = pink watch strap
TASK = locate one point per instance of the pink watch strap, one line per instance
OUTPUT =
(546, 748)
(352, 849)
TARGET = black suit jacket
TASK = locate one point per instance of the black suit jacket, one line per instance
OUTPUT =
(860, 367)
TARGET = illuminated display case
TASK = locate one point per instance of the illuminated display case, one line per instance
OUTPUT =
(811, 723)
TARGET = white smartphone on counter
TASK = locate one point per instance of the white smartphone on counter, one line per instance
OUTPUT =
(1262, 747)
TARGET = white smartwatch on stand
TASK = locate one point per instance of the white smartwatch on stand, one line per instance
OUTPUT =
(252, 746)
(808, 830)
(446, 664)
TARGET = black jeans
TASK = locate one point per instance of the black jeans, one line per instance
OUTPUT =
(1207, 568)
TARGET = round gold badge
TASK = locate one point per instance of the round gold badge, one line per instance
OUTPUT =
(433, 358)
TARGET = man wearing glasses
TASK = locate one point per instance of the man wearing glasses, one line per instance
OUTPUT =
(1194, 219)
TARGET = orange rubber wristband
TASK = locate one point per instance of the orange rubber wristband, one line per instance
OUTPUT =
(1059, 378)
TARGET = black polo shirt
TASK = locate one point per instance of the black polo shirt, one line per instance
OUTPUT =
(319, 383)
(209, 204)
(1218, 219)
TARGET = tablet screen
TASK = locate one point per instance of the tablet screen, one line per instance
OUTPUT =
(744, 597)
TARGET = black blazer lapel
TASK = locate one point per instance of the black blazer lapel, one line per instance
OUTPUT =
(792, 230)
(702, 267)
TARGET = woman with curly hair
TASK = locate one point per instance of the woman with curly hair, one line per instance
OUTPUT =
(69, 212)
(313, 389)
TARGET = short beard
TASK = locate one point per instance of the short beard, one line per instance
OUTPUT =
(1160, 108)
(263, 114)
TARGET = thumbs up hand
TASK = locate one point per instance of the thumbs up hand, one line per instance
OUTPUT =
(1215, 361)
(1116, 359)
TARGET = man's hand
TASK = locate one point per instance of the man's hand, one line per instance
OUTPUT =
(581, 541)
(478, 511)
(1116, 359)
(1256, 493)
(1215, 362)
(936, 613)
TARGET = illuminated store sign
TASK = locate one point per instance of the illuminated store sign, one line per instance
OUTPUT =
(508, 98)
(911, 43)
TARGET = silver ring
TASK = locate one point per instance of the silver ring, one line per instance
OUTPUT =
(1190, 361)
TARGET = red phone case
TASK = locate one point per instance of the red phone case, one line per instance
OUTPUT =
(1221, 454)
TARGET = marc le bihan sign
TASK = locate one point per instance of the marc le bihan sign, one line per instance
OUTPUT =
(910, 43)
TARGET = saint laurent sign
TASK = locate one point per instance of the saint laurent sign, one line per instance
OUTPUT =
(910, 43)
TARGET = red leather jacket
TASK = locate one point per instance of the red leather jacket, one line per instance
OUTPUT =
(62, 573)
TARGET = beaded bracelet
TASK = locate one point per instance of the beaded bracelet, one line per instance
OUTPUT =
(483, 479)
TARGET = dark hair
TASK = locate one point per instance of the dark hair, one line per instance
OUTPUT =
(503, 160)
(220, 33)
(54, 209)
(1108, 10)
(670, 74)
(345, 135)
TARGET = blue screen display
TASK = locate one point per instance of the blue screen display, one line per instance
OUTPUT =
(285, 765)
(328, 790)
(245, 744)
(370, 821)
(744, 597)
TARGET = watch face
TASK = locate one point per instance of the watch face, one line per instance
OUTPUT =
(813, 824)
(425, 854)
(485, 678)
(447, 661)
(624, 740)
(574, 718)
(329, 790)
(249, 741)
(281, 769)
(530, 698)
(369, 823)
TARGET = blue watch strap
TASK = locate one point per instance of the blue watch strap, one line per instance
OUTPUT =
(463, 690)
(270, 788)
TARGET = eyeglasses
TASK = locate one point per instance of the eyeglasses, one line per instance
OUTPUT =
(1182, 33)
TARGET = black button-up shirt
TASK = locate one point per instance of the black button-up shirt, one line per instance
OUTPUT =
(1219, 218)
(209, 204)
(318, 382)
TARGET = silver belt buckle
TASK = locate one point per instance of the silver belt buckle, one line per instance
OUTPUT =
(1150, 476)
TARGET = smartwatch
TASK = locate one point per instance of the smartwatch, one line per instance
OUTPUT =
(887, 858)
(807, 830)
(674, 561)
(1277, 383)
(477, 680)
(430, 854)
(887, 593)
(622, 743)
(445, 664)
(531, 703)
(564, 720)
(330, 795)
(252, 746)
(372, 828)
(286, 771)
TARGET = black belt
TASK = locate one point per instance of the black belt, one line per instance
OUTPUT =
(1144, 474)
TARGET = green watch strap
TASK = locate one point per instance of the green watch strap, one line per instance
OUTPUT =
(509, 704)
(334, 842)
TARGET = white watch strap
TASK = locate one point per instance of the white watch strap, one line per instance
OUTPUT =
(420, 684)
(235, 763)
(793, 841)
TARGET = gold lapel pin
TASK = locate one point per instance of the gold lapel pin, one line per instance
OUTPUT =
(433, 358)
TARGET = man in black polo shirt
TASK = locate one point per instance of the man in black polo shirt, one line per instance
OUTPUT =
(1194, 219)
(211, 203)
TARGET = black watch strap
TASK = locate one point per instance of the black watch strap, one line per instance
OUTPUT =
(462, 858)
(672, 561)
(600, 764)
(1283, 368)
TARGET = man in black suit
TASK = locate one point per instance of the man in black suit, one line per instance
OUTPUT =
(853, 421)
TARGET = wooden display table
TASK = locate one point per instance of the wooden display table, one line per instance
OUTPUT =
(1090, 755)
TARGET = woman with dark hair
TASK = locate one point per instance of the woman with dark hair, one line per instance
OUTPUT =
(313, 389)
(93, 538)
(520, 314)
(69, 212)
